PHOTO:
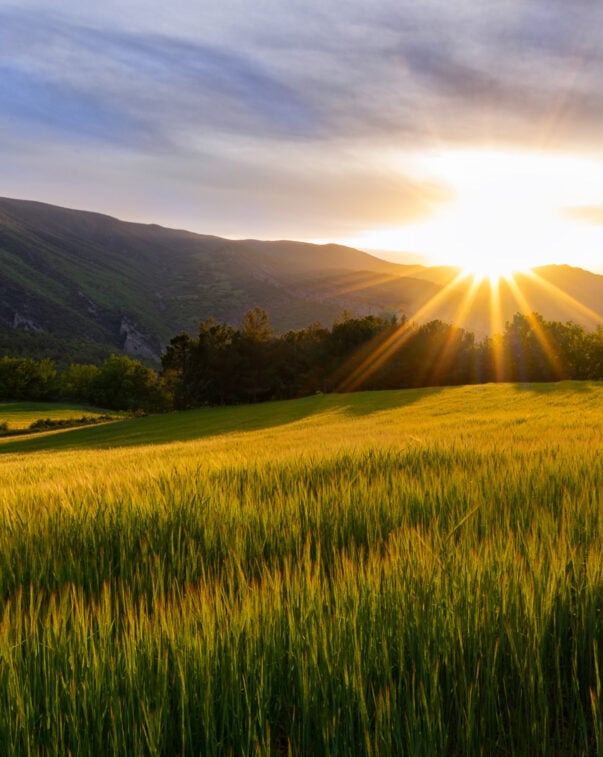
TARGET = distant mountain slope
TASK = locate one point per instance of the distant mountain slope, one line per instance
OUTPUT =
(93, 277)
(84, 276)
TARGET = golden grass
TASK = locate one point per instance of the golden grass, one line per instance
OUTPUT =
(394, 572)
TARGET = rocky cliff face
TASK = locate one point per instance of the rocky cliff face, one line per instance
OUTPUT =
(26, 324)
(137, 343)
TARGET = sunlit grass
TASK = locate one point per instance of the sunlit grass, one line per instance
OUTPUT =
(19, 415)
(396, 572)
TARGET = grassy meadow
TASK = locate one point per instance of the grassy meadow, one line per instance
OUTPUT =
(19, 415)
(409, 572)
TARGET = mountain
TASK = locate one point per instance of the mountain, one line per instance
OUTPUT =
(92, 277)
(87, 278)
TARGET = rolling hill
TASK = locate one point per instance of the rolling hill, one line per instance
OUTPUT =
(90, 278)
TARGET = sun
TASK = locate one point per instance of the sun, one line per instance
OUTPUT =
(481, 269)
(506, 213)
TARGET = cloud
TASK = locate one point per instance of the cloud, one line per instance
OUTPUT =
(39, 106)
(389, 70)
(120, 84)
(233, 114)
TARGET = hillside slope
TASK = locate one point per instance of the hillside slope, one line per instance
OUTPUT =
(84, 276)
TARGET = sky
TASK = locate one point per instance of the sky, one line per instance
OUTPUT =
(439, 132)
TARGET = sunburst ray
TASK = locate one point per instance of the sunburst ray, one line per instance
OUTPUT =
(379, 356)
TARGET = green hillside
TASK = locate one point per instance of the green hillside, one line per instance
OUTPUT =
(409, 572)
(95, 284)
(87, 276)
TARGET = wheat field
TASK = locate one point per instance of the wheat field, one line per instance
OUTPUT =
(410, 572)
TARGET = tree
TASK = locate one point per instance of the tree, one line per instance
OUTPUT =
(27, 379)
(524, 350)
(256, 326)
(174, 362)
(257, 357)
(301, 361)
(125, 384)
(213, 373)
(77, 381)
(594, 349)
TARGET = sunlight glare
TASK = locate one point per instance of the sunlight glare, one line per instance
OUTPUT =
(481, 269)
(508, 212)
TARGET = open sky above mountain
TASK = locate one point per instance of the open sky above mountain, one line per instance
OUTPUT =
(450, 130)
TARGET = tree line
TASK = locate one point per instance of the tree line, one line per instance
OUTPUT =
(223, 364)
(226, 365)
(117, 384)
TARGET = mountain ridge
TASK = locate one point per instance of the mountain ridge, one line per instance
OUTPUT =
(92, 277)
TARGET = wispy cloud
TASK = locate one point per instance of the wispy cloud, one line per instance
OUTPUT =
(54, 71)
(236, 111)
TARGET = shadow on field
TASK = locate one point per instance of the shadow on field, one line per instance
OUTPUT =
(365, 403)
(207, 422)
(558, 387)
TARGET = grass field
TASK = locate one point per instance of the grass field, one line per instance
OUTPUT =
(411, 572)
(19, 415)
